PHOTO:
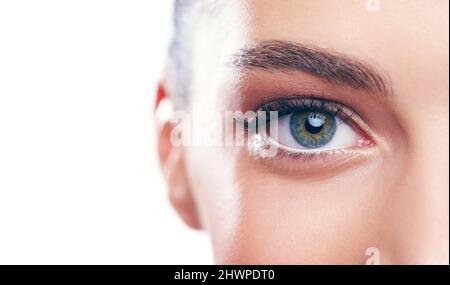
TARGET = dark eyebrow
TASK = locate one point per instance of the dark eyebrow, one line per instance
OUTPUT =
(329, 65)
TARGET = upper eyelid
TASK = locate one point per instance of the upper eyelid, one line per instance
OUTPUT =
(342, 111)
(291, 103)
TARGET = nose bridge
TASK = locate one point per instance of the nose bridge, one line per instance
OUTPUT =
(421, 199)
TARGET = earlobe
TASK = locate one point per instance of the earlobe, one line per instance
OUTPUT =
(172, 164)
(180, 194)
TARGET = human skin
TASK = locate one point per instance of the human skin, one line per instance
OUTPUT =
(394, 197)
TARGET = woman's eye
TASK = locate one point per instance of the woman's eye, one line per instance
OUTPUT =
(302, 135)
(315, 131)
(308, 128)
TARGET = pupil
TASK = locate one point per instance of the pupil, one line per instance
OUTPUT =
(314, 124)
(312, 129)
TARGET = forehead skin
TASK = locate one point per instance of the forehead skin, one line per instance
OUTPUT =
(402, 36)
(258, 217)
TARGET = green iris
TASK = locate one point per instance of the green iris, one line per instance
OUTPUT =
(312, 129)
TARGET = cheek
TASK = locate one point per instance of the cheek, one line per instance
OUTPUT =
(285, 220)
(211, 176)
(255, 217)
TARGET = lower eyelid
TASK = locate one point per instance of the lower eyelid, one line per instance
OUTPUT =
(266, 141)
(316, 164)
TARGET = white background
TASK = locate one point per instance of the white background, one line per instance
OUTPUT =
(79, 179)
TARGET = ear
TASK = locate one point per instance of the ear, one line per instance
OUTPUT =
(172, 162)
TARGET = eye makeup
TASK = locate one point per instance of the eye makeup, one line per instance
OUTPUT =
(313, 133)
(316, 108)
(324, 128)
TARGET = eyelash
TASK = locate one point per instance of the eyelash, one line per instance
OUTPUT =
(292, 104)
(297, 103)
(289, 105)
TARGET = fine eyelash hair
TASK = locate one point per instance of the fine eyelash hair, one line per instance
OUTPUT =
(296, 103)
(292, 104)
